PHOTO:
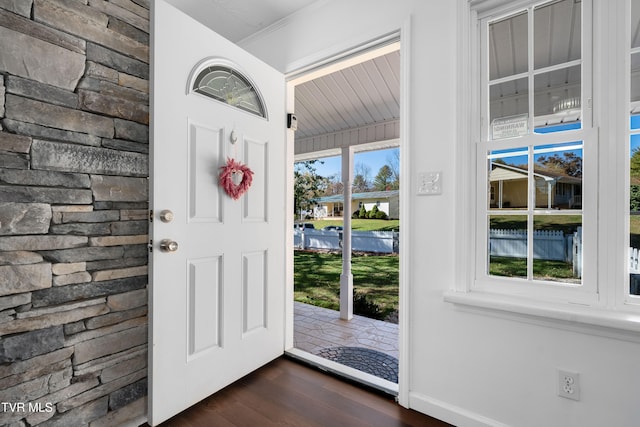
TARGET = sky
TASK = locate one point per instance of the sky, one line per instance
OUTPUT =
(373, 159)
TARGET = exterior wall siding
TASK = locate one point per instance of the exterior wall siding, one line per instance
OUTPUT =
(74, 143)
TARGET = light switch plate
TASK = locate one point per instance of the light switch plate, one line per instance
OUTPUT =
(429, 183)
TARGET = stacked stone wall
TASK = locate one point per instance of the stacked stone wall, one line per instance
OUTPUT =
(74, 164)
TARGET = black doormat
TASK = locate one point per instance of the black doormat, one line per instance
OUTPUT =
(363, 359)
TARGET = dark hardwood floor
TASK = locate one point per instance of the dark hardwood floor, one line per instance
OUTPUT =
(289, 393)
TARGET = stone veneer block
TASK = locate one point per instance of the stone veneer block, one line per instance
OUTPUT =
(115, 318)
(34, 372)
(72, 279)
(131, 130)
(84, 254)
(24, 218)
(118, 241)
(139, 7)
(81, 415)
(119, 189)
(30, 344)
(127, 300)
(109, 344)
(60, 395)
(13, 301)
(13, 161)
(2, 92)
(125, 395)
(133, 82)
(39, 312)
(125, 15)
(70, 293)
(30, 363)
(134, 214)
(96, 229)
(21, 7)
(58, 318)
(40, 91)
(125, 368)
(92, 25)
(20, 258)
(87, 335)
(68, 268)
(114, 90)
(55, 116)
(42, 32)
(16, 193)
(117, 61)
(41, 243)
(103, 390)
(26, 56)
(115, 106)
(43, 132)
(89, 217)
(121, 273)
(14, 143)
(123, 416)
(45, 178)
(99, 71)
(16, 279)
(71, 158)
(122, 145)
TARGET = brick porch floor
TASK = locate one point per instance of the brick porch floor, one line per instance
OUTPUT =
(317, 328)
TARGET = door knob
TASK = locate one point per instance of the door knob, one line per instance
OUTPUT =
(168, 245)
(166, 216)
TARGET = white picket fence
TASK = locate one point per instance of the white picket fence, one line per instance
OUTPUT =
(364, 241)
(551, 245)
(634, 255)
(548, 245)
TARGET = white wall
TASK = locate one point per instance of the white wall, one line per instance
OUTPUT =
(467, 366)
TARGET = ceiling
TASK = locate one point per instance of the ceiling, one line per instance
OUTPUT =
(238, 19)
(354, 97)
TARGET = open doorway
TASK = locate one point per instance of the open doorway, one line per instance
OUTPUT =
(348, 139)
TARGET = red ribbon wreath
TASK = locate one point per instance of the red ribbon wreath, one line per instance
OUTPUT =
(226, 178)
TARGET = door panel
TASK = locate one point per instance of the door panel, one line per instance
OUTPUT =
(205, 197)
(217, 302)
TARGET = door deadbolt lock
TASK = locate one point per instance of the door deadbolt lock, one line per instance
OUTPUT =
(166, 216)
(168, 245)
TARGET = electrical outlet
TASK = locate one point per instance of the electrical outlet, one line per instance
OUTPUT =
(568, 384)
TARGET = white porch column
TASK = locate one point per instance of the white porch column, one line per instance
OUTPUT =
(346, 278)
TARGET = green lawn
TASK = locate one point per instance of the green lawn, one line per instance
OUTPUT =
(375, 279)
(361, 224)
(542, 269)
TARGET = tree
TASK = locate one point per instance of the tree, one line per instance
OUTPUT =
(334, 185)
(384, 179)
(361, 182)
(307, 185)
(569, 164)
(393, 160)
(635, 163)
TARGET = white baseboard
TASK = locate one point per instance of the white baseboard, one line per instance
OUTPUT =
(449, 413)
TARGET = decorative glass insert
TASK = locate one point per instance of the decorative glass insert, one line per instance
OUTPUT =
(227, 85)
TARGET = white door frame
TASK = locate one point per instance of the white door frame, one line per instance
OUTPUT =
(313, 64)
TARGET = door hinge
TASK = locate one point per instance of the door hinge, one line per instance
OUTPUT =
(150, 245)
(150, 215)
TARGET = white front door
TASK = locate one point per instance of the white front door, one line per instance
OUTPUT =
(217, 302)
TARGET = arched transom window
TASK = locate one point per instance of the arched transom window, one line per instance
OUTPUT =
(227, 85)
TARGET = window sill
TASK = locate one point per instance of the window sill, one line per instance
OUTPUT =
(585, 319)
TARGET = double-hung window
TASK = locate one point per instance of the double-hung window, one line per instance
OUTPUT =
(536, 155)
(555, 137)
